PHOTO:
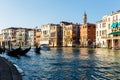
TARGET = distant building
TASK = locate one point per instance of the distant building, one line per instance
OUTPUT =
(19, 36)
(108, 31)
(38, 35)
(85, 18)
(9, 34)
(31, 37)
(55, 35)
(87, 33)
(1, 40)
(102, 30)
(70, 34)
(51, 34)
(45, 34)
(22, 36)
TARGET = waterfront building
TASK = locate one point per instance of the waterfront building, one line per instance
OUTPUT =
(31, 37)
(108, 31)
(70, 34)
(37, 38)
(55, 35)
(9, 34)
(1, 40)
(113, 40)
(45, 34)
(87, 33)
(22, 35)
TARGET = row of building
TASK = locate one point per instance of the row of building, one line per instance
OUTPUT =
(105, 33)
(19, 36)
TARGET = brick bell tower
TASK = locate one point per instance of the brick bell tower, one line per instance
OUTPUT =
(85, 18)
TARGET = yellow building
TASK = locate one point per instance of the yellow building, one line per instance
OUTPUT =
(37, 38)
(55, 35)
(71, 34)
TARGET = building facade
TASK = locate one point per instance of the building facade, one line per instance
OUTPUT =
(55, 35)
(70, 34)
(113, 40)
(1, 40)
(19, 36)
(45, 34)
(51, 34)
(9, 34)
(87, 34)
(38, 35)
(106, 30)
(31, 37)
(22, 37)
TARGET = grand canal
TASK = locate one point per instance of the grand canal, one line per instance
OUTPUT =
(70, 64)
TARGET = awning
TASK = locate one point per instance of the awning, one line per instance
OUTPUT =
(114, 33)
(118, 24)
(114, 24)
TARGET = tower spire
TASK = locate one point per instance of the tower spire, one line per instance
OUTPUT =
(85, 17)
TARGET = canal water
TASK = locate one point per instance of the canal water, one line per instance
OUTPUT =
(70, 64)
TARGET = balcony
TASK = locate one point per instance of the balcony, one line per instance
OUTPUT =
(104, 36)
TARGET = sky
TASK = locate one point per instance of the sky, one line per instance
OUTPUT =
(32, 13)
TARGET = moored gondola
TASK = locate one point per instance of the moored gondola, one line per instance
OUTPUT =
(37, 49)
(23, 52)
(14, 52)
(1, 50)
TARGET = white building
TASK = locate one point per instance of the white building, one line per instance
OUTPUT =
(45, 34)
(103, 29)
(31, 37)
(9, 34)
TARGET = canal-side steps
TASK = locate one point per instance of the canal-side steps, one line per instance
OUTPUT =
(8, 71)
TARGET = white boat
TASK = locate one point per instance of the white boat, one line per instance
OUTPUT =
(44, 47)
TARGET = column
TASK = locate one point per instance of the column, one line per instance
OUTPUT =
(118, 43)
(112, 43)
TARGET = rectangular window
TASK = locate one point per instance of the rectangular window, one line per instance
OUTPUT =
(97, 33)
(104, 25)
(100, 33)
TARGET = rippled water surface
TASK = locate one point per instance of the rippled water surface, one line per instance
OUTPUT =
(70, 64)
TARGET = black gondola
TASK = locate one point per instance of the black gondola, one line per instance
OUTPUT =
(14, 52)
(23, 52)
(37, 49)
(1, 50)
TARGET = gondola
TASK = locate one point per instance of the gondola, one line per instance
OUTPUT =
(37, 49)
(4, 49)
(23, 52)
(14, 52)
(1, 50)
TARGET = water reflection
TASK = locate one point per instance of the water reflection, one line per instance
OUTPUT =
(70, 64)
